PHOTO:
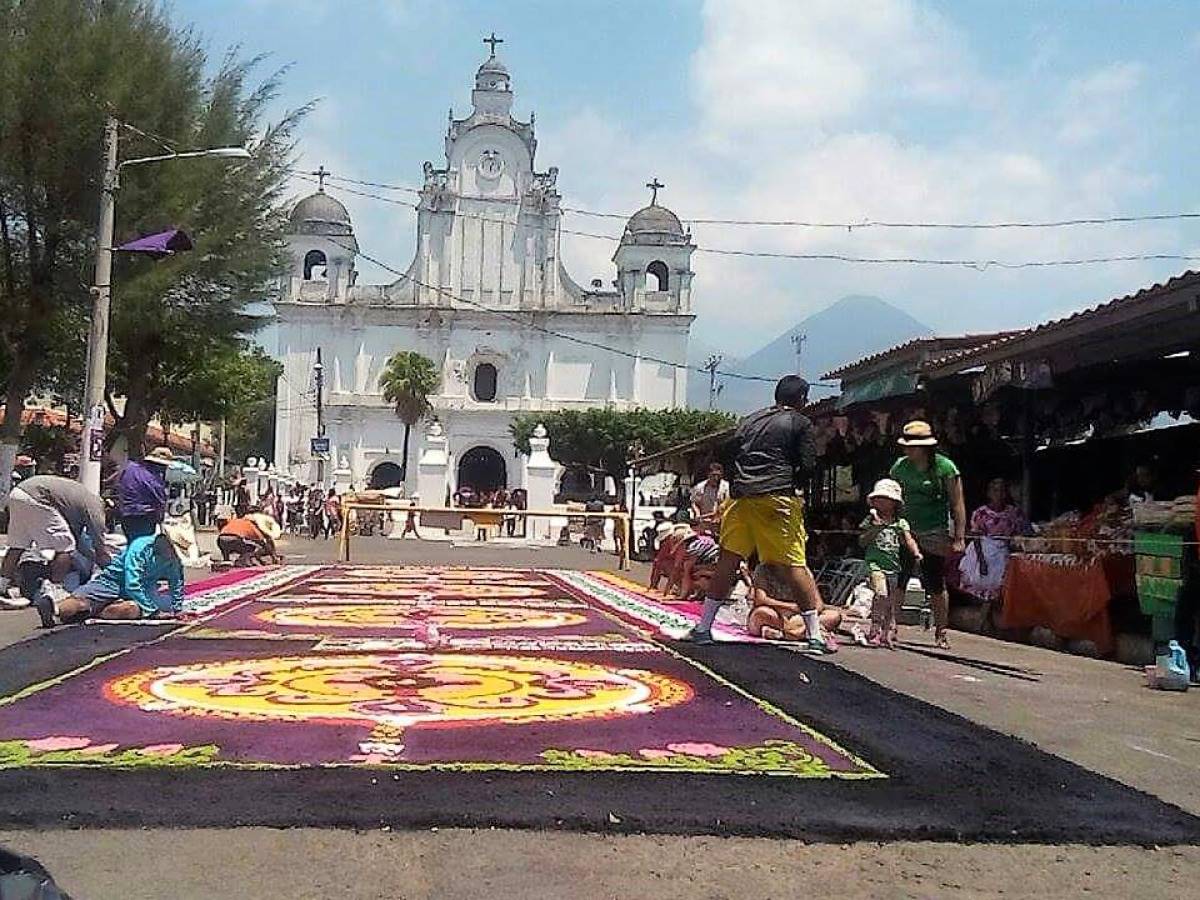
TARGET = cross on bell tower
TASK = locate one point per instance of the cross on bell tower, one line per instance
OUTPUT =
(654, 185)
(322, 173)
(493, 41)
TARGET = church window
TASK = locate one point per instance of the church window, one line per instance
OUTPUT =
(485, 383)
(658, 271)
(313, 260)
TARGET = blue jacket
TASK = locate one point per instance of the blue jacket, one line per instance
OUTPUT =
(137, 570)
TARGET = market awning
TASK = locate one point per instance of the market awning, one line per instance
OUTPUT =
(705, 443)
(896, 384)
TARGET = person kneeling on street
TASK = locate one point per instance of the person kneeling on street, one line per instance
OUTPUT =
(775, 618)
(127, 588)
(59, 517)
(250, 540)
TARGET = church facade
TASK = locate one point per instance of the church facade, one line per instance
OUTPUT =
(488, 300)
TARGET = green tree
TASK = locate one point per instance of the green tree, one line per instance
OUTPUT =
(602, 439)
(234, 383)
(180, 324)
(64, 65)
(407, 382)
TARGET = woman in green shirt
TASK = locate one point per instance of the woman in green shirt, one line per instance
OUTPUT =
(936, 511)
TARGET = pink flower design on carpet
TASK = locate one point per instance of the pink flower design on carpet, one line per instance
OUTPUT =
(161, 750)
(654, 753)
(97, 749)
(694, 749)
(594, 754)
(50, 744)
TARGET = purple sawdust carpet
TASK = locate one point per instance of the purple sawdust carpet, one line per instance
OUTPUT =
(400, 695)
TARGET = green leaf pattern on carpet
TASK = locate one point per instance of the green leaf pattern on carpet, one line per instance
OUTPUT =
(773, 757)
(72, 751)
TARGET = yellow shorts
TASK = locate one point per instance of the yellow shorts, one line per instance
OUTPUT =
(771, 525)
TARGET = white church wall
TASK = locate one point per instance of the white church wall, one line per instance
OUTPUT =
(475, 245)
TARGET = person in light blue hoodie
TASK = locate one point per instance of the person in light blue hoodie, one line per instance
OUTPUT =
(127, 588)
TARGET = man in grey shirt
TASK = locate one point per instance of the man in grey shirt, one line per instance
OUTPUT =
(52, 513)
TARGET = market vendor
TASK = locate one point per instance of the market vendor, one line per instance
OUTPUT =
(937, 513)
(993, 526)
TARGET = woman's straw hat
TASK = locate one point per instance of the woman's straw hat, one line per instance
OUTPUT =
(917, 434)
(160, 455)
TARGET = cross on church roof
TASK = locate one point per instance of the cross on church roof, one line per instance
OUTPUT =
(493, 40)
(654, 185)
(322, 173)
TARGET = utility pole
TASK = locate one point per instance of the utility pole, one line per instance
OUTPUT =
(798, 340)
(319, 377)
(710, 365)
(92, 434)
(92, 449)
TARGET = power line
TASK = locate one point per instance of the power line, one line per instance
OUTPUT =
(534, 326)
(980, 265)
(847, 225)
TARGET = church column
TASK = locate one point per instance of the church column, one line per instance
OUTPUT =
(541, 475)
(433, 468)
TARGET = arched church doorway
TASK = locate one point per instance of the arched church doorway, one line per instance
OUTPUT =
(482, 469)
(385, 475)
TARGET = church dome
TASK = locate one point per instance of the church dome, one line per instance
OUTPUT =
(494, 65)
(492, 76)
(654, 224)
(321, 214)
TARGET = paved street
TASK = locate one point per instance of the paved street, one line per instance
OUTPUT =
(1094, 713)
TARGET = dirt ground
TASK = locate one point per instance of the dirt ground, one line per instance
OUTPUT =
(1094, 713)
(317, 865)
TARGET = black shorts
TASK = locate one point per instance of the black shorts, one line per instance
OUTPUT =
(932, 572)
(234, 545)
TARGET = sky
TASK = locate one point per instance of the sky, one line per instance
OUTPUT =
(815, 110)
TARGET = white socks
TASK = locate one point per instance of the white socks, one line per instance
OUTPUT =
(812, 623)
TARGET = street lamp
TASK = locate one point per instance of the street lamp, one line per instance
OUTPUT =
(97, 357)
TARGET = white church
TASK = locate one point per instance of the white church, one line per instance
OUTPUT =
(487, 298)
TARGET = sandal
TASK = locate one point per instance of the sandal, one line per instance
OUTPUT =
(941, 641)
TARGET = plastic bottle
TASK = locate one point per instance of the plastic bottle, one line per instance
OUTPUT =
(1173, 673)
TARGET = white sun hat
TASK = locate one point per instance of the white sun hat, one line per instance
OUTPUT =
(886, 487)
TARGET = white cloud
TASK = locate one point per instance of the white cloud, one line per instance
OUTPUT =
(811, 111)
(1096, 104)
(800, 65)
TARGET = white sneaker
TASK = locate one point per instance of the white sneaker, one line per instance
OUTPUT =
(56, 592)
(7, 602)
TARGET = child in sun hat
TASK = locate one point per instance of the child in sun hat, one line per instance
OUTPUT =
(882, 534)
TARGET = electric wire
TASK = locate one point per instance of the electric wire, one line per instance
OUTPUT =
(980, 265)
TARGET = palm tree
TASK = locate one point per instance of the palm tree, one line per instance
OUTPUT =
(407, 381)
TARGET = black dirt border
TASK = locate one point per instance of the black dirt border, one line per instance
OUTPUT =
(949, 779)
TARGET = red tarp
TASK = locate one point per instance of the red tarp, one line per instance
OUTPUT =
(1071, 600)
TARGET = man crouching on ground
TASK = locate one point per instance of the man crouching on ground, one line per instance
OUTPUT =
(772, 454)
(127, 588)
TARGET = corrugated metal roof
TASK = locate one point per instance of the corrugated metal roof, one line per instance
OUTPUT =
(951, 343)
(1094, 314)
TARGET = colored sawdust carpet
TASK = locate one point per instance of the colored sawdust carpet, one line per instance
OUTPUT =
(415, 669)
(363, 696)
